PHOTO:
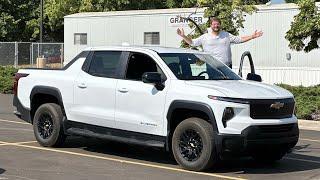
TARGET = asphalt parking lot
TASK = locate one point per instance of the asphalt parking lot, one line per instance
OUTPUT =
(21, 158)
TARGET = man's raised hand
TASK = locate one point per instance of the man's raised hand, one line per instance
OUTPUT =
(180, 32)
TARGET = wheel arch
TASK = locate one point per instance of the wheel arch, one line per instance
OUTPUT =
(44, 94)
(182, 109)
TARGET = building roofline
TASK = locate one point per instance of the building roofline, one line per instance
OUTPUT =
(260, 8)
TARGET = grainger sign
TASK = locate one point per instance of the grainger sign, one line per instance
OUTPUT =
(180, 20)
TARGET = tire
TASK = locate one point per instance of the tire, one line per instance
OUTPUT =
(47, 125)
(188, 138)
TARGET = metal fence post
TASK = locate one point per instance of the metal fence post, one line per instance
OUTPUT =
(31, 54)
(16, 54)
(62, 54)
(38, 50)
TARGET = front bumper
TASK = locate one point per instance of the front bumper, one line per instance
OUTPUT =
(259, 138)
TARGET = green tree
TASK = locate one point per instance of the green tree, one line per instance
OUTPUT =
(305, 28)
(7, 26)
(231, 14)
(54, 12)
(15, 15)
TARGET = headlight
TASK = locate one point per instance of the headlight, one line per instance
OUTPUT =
(229, 99)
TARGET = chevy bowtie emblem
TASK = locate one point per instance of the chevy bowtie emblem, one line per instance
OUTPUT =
(277, 105)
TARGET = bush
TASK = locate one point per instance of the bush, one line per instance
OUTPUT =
(6, 78)
(307, 101)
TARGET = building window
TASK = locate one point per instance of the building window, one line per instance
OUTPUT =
(80, 38)
(152, 38)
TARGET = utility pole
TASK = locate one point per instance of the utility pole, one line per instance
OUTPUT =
(41, 20)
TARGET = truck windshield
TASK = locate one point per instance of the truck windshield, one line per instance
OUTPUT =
(190, 66)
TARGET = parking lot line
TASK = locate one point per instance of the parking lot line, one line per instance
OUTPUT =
(304, 160)
(16, 122)
(313, 140)
(21, 144)
(16, 143)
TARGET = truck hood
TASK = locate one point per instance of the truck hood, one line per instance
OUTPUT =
(243, 89)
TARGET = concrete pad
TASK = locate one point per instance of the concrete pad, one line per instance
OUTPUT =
(309, 125)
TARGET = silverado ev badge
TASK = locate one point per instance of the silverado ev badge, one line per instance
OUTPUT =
(277, 105)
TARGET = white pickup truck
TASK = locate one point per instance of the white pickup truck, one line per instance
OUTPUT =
(182, 100)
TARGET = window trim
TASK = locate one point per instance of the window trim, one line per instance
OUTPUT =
(83, 54)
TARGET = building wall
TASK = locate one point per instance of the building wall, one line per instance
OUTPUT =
(117, 29)
(269, 52)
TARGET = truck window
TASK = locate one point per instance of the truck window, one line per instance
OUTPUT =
(138, 64)
(105, 63)
(190, 66)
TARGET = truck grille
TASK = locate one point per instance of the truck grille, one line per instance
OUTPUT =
(272, 108)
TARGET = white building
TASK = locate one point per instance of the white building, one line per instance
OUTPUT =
(273, 59)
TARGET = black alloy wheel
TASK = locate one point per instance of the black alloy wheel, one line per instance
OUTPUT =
(48, 126)
(190, 145)
(193, 144)
(45, 125)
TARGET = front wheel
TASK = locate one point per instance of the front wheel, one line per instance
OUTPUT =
(47, 125)
(193, 145)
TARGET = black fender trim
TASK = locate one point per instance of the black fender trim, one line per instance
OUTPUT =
(48, 90)
(21, 112)
(192, 105)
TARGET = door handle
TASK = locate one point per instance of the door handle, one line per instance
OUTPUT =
(82, 85)
(123, 90)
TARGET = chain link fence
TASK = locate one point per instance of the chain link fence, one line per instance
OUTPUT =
(51, 52)
(8, 53)
(27, 54)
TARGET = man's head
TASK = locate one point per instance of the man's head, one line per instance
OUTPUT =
(215, 24)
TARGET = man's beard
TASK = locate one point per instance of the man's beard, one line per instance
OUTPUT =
(215, 29)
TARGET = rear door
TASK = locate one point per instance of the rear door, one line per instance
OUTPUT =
(94, 89)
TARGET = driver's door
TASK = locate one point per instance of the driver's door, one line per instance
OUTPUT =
(140, 106)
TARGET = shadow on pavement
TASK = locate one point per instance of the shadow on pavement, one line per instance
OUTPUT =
(136, 152)
(246, 165)
(2, 171)
(292, 162)
(286, 165)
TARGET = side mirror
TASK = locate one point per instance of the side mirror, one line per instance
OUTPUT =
(153, 78)
(254, 77)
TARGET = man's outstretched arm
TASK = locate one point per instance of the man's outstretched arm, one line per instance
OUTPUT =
(180, 32)
(191, 42)
(256, 34)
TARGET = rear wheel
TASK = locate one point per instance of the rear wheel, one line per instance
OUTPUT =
(193, 144)
(47, 125)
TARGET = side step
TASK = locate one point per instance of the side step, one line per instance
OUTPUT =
(129, 137)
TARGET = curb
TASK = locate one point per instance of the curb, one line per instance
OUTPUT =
(309, 125)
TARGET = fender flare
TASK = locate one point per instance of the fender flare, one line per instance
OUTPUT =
(192, 105)
(48, 90)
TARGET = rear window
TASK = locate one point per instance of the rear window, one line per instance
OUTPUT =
(105, 63)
